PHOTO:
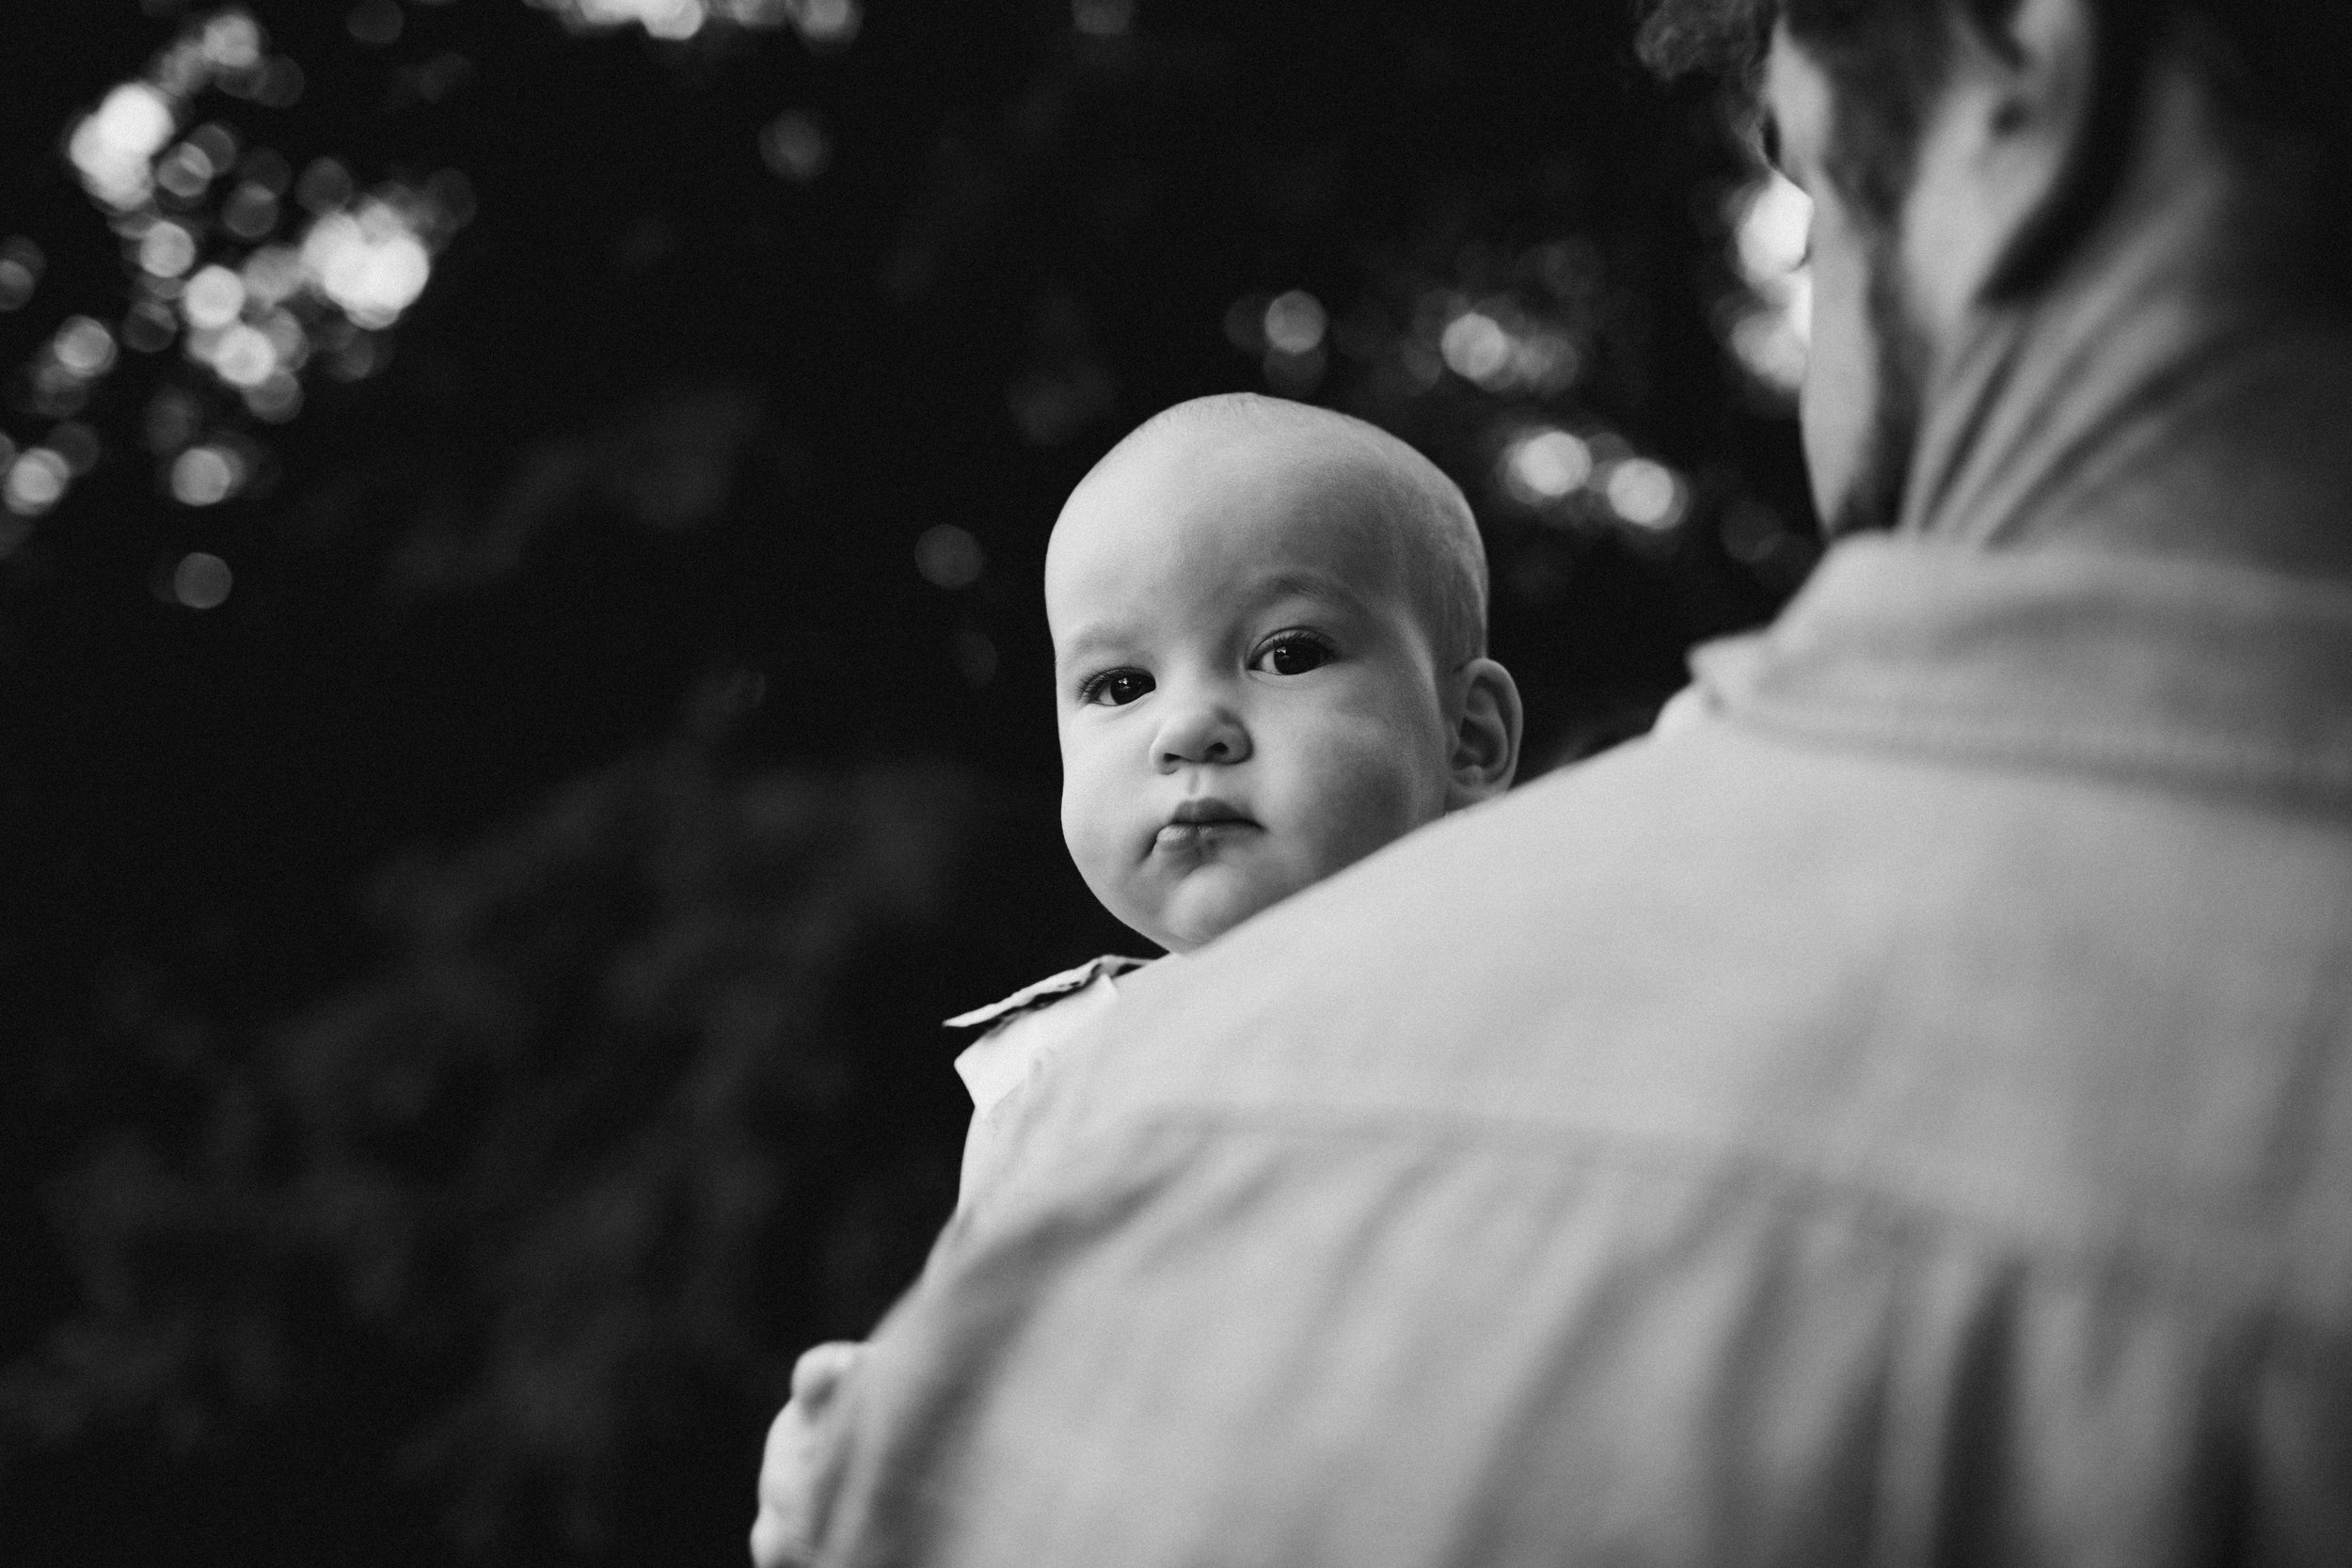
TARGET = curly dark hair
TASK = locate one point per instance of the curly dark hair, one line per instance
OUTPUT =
(2281, 69)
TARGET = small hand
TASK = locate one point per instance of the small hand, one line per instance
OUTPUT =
(796, 1458)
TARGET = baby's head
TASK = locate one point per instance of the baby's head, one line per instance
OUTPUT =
(1269, 657)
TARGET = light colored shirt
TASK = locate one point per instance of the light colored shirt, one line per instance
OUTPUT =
(1903, 1116)
(1026, 1032)
(1025, 1035)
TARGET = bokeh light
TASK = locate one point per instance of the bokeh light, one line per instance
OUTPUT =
(277, 397)
(1769, 323)
(199, 216)
(324, 185)
(217, 145)
(206, 475)
(201, 582)
(20, 264)
(112, 148)
(824, 23)
(230, 42)
(1476, 348)
(272, 275)
(949, 557)
(600, 14)
(244, 358)
(37, 481)
(828, 24)
(1294, 323)
(212, 298)
(85, 348)
(795, 147)
(371, 263)
(1776, 219)
(1547, 466)
(286, 337)
(670, 19)
(251, 212)
(167, 249)
(1644, 493)
(184, 171)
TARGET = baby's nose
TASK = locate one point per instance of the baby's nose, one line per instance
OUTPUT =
(1201, 732)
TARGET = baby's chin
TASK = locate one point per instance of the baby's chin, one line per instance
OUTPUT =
(1208, 903)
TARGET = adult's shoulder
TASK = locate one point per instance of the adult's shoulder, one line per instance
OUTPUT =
(1461, 886)
(1419, 951)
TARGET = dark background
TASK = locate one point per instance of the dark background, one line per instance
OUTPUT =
(470, 997)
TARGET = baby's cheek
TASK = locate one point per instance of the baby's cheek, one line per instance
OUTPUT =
(1083, 835)
(1372, 800)
(1107, 864)
(1090, 851)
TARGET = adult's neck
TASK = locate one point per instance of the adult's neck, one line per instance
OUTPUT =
(2169, 391)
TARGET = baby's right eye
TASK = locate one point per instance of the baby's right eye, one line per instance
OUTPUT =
(1115, 688)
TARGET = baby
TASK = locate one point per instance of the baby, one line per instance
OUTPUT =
(1270, 628)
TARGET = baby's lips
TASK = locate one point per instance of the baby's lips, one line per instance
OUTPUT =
(1204, 834)
(1208, 810)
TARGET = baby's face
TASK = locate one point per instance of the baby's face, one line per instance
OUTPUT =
(1247, 699)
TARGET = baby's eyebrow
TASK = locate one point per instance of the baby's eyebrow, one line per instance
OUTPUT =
(1090, 643)
(1301, 584)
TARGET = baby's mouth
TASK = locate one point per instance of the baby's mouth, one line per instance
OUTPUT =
(1198, 824)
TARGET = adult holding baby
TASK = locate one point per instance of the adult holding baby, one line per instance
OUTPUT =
(1905, 1114)
(1270, 627)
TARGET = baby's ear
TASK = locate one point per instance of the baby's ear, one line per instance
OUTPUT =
(1486, 735)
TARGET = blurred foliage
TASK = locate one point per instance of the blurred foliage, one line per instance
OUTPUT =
(473, 957)
(217, 269)
(644, 1093)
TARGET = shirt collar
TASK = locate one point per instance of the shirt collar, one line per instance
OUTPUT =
(2143, 664)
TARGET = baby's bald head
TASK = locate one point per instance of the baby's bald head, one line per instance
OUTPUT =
(1269, 623)
(1412, 517)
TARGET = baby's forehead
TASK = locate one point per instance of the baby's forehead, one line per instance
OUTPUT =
(1239, 487)
(1237, 582)
(1276, 501)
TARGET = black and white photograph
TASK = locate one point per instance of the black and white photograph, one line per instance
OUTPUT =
(1176, 783)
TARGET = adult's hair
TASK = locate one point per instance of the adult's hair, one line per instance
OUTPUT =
(2279, 70)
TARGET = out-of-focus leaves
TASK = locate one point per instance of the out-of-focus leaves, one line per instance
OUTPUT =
(670, 465)
(622, 1113)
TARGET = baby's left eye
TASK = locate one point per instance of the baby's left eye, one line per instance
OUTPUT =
(1293, 656)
